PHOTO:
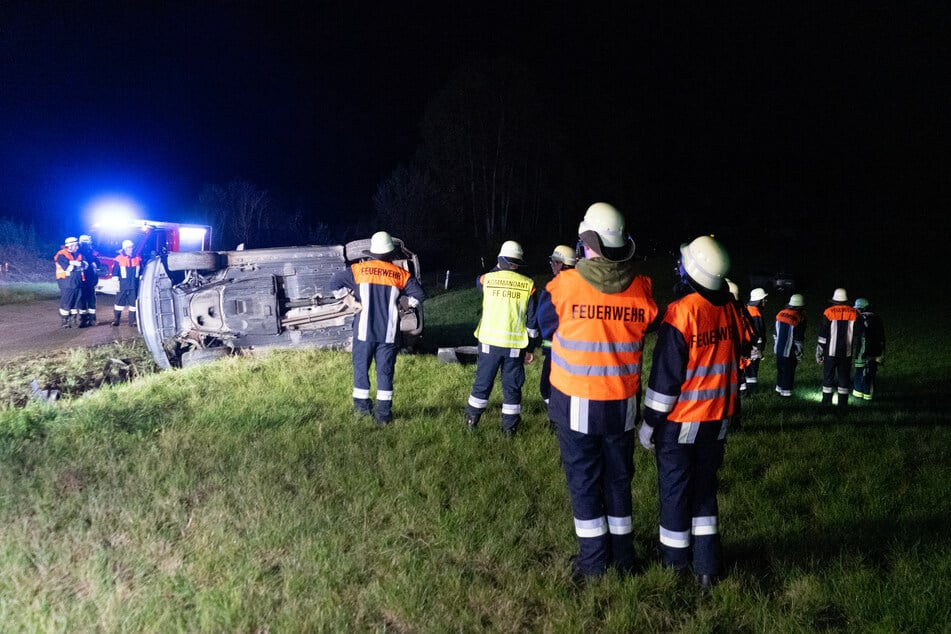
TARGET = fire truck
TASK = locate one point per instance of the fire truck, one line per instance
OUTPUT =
(150, 237)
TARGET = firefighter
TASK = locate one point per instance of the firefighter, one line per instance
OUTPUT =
(378, 284)
(691, 400)
(603, 310)
(128, 268)
(69, 278)
(87, 300)
(747, 334)
(506, 335)
(789, 337)
(562, 258)
(869, 350)
(754, 308)
(834, 352)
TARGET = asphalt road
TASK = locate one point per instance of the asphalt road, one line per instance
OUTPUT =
(33, 329)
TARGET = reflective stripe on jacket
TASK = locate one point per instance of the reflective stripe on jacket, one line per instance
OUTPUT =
(128, 272)
(694, 376)
(62, 267)
(836, 330)
(505, 296)
(379, 285)
(596, 350)
(790, 324)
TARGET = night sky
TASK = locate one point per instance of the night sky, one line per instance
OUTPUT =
(739, 115)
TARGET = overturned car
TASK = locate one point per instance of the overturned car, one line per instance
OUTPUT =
(195, 307)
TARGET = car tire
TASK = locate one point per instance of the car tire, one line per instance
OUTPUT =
(193, 260)
(203, 355)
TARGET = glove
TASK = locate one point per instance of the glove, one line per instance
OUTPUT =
(820, 355)
(755, 353)
(340, 293)
(798, 351)
(645, 434)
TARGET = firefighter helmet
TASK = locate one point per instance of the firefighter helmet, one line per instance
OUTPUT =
(71, 240)
(564, 254)
(85, 239)
(734, 288)
(381, 243)
(839, 295)
(127, 244)
(705, 261)
(757, 294)
(796, 301)
(512, 252)
(861, 303)
(602, 230)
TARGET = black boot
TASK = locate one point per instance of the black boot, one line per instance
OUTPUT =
(118, 316)
(132, 322)
(65, 319)
(842, 405)
(827, 399)
(74, 321)
(84, 321)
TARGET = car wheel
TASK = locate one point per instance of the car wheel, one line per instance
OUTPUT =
(202, 355)
(193, 260)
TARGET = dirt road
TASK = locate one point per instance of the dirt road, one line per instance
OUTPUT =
(33, 329)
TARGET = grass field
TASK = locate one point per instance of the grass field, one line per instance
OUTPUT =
(243, 496)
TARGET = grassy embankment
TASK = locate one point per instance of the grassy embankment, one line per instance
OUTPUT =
(243, 496)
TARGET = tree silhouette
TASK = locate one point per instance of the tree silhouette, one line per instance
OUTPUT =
(238, 212)
(492, 162)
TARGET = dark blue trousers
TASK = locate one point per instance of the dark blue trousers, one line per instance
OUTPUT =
(384, 354)
(488, 365)
(786, 372)
(687, 485)
(69, 292)
(544, 382)
(599, 470)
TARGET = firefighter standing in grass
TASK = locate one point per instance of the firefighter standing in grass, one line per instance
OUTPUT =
(691, 400)
(87, 299)
(834, 352)
(789, 338)
(127, 268)
(378, 284)
(561, 259)
(603, 309)
(505, 333)
(869, 350)
(69, 277)
(747, 334)
(754, 308)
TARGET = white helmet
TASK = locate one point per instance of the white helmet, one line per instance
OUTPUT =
(705, 261)
(381, 243)
(796, 301)
(757, 294)
(564, 254)
(839, 295)
(70, 241)
(512, 251)
(607, 225)
(861, 303)
(84, 239)
(127, 244)
(734, 288)
(607, 222)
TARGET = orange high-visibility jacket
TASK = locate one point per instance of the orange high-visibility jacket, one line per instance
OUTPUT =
(836, 330)
(712, 336)
(62, 267)
(596, 350)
